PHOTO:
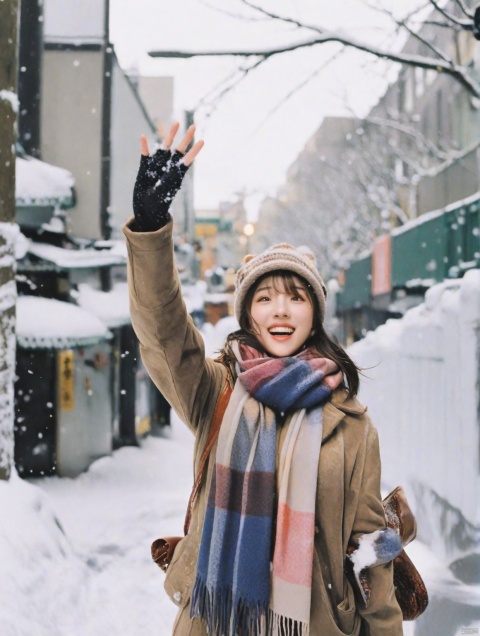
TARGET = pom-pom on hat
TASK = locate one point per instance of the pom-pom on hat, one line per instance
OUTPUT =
(298, 260)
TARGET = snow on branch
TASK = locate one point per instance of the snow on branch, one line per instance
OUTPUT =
(467, 25)
(458, 72)
(465, 9)
(276, 16)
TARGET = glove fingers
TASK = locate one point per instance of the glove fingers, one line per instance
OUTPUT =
(177, 156)
(159, 179)
(171, 182)
(160, 160)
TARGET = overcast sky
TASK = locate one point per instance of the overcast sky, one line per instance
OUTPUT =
(247, 147)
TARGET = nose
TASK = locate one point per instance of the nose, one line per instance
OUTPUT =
(281, 307)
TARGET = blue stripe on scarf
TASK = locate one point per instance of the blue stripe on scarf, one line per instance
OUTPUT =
(233, 575)
(228, 578)
(247, 428)
(296, 387)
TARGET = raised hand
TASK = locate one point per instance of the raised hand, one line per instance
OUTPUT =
(160, 177)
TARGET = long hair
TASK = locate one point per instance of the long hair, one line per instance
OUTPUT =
(319, 341)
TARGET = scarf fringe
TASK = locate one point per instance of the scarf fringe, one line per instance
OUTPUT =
(223, 615)
(223, 619)
(279, 625)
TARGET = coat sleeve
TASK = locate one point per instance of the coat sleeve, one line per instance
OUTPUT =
(172, 349)
(382, 616)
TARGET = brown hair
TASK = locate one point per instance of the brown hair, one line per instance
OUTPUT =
(319, 341)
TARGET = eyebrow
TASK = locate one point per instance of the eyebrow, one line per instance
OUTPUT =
(267, 287)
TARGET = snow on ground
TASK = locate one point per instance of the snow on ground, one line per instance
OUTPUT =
(95, 577)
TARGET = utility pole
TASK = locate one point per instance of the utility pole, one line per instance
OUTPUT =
(8, 229)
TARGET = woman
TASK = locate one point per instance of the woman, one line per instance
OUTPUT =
(294, 477)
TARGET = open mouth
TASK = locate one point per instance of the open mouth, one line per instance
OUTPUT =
(281, 332)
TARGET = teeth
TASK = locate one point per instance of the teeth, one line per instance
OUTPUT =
(281, 332)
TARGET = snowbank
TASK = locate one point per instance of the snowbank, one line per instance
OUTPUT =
(420, 382)
(75, 553)
(40, 572)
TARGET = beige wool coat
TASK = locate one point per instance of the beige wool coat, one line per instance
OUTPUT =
(348, 499)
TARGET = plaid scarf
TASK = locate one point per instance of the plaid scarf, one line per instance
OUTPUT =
(237, 589)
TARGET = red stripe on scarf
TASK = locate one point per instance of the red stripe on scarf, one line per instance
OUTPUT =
(294, 537)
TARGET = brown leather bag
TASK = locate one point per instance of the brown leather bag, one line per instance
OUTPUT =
(410, 590)
(163, 549)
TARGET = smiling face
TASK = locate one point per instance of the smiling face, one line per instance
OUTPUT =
(281, 315)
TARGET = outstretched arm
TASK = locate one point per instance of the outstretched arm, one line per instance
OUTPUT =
(171, 347)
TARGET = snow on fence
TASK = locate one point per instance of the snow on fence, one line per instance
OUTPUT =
(422, 390)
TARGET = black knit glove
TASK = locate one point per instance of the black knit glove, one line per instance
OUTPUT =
(159, 179)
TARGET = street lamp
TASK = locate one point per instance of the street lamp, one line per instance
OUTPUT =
(248, 232)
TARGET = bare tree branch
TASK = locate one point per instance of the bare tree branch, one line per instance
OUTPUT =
(458, 72)
(276, 16)
(217, 97)
(296, 88)
(410, 132)
(465, 9)
(231, 14)
(467, 25)
(454, 157)
(444, 25)
(427, 43)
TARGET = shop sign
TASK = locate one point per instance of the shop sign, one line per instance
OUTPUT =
(66, 388)
(381, 265)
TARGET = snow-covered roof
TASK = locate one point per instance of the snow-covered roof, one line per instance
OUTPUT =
(40, 183)
(43, 323)
(218, 298)
(76, 259)
(116, 246)
(112, 307)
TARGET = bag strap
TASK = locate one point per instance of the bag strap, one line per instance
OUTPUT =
(220, 408)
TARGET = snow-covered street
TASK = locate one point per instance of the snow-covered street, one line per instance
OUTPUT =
(96, 578)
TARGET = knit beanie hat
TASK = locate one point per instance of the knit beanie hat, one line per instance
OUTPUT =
(298, 260)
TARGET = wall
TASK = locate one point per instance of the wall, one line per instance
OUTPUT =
(71, 128)
(421, 384)
(76, 20)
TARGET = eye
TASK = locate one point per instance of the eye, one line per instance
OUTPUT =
(262, 299)
(298, 298)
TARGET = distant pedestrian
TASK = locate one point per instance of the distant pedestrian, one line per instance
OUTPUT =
(294, 477)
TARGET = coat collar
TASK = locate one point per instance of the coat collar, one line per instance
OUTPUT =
(335, 409)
